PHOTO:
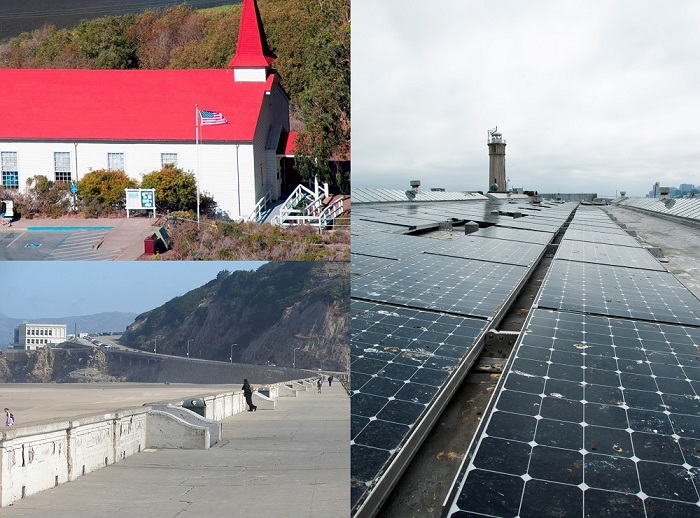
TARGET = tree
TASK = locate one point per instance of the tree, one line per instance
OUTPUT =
(44, 197)
(175, 189)
(325, 100)
(103, 190)
(106, 42)
(161, 34)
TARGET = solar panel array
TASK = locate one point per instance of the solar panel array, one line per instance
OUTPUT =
(686, 208)
(420, 308)
(598, 411)
(369, 195)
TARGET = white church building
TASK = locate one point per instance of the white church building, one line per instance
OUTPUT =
(66, 123)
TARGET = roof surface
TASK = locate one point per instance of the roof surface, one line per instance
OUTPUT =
(252, 49)
(126, 104)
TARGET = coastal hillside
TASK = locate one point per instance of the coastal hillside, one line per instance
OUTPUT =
(280, 314)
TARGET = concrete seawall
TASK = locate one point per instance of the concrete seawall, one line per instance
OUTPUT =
(43, 455)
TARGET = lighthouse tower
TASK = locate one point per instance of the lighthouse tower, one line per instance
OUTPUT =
(497, 161)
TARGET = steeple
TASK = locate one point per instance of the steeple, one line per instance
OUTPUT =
(253, 55)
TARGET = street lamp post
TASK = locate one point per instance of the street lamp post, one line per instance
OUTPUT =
(155, 343)
(188, 346)
(230, 358)
(294, 357)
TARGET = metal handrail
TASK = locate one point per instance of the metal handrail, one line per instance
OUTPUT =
(257, 213)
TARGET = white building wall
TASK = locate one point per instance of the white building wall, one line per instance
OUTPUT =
(36, 336)
(220, 165)
(250, 75)
(274, 112)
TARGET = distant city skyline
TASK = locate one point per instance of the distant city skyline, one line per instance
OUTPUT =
(43, 289)
(589, 96)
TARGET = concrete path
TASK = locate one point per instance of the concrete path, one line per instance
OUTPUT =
(680, 243)
(290, 462)
(75, 239)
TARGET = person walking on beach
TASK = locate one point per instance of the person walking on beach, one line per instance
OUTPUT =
(9, 418)
(248, 393)
(330, 380)
(319, 383)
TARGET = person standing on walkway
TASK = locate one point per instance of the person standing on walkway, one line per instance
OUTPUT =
(330, 380)
(319, 383)
(248, 393)
(9, 418)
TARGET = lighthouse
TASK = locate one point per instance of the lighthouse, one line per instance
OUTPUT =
(497, 161)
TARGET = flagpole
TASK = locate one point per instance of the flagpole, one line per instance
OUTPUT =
(196, 133)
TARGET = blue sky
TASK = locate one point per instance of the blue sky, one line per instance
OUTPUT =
(590, 96)
(38, 289)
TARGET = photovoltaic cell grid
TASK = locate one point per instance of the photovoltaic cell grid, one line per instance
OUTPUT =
(573, 234)
(515, 234)
(595, 417)
(486, 249)
(400, 360)
(618, 291)
(364, 264)
(592, 227)
(390, 246)
(607, 254)
(450, 284)
(361, 227)
(529, 224)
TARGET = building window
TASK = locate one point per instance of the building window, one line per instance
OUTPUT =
(61, 167)
(10, 171)
(115, 161)
(168, 158)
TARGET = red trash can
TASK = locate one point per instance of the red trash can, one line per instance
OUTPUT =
(149, 245)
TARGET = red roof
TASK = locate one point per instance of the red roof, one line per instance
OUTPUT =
(287, 143)
(126, 104)
(252, 49)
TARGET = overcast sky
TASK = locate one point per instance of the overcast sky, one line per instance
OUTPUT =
(38, 289)
(590, 96)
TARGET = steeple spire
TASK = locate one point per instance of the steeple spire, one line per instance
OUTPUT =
(252, 50)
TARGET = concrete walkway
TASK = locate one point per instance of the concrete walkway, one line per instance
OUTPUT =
(289, 462)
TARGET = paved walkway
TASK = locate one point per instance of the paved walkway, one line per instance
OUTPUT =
(290, 462)
(62, 240)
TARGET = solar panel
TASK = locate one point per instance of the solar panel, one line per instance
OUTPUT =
(595, 416)
(485, 249)
(595, 236)
(360, 227)
(364, 264)
(529, 224)
(607, 254)
(400, 360)
(450, 284)
(618, 291)
(594, 227)
(515, 234)
(390, 246)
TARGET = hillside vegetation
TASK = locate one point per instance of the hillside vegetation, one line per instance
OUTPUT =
(257, 316)
(310, 37)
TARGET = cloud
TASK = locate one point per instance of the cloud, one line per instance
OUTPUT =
(590, 96)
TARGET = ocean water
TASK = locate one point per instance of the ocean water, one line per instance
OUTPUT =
(17, 16)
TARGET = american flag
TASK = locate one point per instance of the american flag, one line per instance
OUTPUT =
(209, 118)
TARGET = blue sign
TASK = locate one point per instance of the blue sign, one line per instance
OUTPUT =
(73, 188)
